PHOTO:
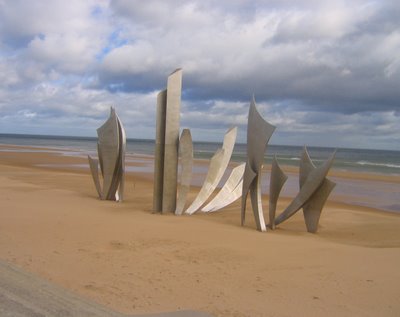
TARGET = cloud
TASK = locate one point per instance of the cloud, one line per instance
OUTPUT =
(331, 67)
(325, 56)
(69, 53)
(78, 110)
(48, 36)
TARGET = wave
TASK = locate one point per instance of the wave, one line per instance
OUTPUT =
(378, 164)
(282, 158)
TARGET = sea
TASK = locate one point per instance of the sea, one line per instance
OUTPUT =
(380, 194)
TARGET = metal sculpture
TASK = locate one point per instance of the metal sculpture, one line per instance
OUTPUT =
(277, 180)
(207, 188)
(218, 165)
(186, 159)
(244, 179)
(313, 207)
(230, 192)
(313, 182)
(259, 132)
(111, 147)
(166, 149)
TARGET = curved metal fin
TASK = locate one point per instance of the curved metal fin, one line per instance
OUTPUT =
(313, 208)
(215, 172)
(312, 183)
(208, 185)
(259, 132)
(108, 144)
(306, 166)
(231, 191)
(277, 180)
(120, 170)
(94, 169)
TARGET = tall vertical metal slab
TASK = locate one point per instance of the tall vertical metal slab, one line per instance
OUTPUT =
(172, 118)
(159, 151)
(167, 144)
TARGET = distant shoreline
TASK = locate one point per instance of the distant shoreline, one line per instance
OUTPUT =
(372, 190)
(91, 138)
(353, 160)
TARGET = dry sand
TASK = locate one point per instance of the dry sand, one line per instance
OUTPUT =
(123, 256)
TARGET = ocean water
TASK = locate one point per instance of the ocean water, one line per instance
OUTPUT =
(358, 160)
(380, 194)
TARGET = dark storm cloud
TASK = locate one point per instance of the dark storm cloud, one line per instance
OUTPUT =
(337, 58)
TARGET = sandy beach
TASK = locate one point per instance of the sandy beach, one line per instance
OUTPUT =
(129, 259)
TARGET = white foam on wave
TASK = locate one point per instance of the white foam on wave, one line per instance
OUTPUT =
(378, 164)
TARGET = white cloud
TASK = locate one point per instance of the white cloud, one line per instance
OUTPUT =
(29, 18)
(132, 59)
(48, 35)
(68, 61)
(325, 21)
(68, 53)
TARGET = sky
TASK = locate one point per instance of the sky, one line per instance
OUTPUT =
(325, 73)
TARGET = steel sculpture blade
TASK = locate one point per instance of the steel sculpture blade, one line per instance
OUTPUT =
(248, 178)
(313, 207)
(159, 151)
(121, 167)
(215, 172)
(231, 191)
(277, 180)
(94, 168)
(207, 187)
(108, 144)
(186, 158)
(306, 166)
(111, 152)
(170, 181)
(259, 132)
(311, 184)
(167, 141)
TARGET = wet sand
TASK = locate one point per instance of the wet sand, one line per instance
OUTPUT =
(123, 256)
